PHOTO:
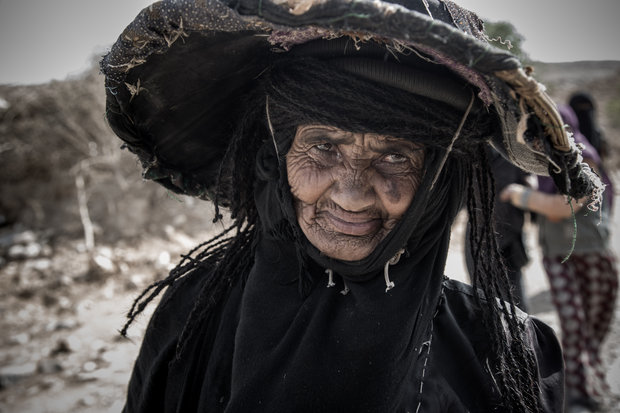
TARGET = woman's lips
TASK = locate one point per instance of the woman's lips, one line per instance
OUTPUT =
(355, 225)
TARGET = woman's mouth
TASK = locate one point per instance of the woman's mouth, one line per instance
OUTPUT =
(353, 225)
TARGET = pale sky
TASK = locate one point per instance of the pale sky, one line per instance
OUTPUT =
(51, 39)
(559, 30)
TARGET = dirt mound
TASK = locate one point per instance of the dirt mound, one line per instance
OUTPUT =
(80, 235)
(61, 167)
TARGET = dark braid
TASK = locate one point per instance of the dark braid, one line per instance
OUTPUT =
(235, 262)
(515, 364)
(216, 245)
(228, 257)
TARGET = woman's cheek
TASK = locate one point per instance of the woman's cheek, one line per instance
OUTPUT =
(397, 194)
(311, 185)
(306, 180)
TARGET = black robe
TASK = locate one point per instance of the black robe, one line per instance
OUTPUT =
(267, 348)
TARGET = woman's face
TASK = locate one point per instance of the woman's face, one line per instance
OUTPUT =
(350, 189)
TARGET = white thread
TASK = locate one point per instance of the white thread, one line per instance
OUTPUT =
(486, 362)
(428, 10)
(454, 138)
(386, 272)
(428, 344)
(330, 278)
(273, 137)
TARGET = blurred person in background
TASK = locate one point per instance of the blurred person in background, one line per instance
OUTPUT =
(582, 273)
(584, 106)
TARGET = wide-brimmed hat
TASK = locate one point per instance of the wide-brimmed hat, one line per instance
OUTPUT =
(176, 75)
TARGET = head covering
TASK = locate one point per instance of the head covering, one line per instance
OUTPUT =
(176, 75)
(571, 119)
(588, 151)
(583, 105)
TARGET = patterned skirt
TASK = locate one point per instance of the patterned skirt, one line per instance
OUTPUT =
(584, 291)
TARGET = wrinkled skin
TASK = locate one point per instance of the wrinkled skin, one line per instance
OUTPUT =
(350, 189)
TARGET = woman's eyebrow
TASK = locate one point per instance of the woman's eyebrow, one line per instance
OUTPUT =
(394, 146)
(322, 135)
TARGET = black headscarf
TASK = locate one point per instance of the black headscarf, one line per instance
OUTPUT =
(583, 105)
(424, 230)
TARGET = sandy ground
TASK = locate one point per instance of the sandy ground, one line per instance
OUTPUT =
(60, 349)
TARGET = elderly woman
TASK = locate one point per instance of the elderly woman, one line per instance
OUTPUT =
(343, 137)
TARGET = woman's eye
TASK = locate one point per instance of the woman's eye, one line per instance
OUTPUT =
(395, 158)
(325, 154)
(325, 147)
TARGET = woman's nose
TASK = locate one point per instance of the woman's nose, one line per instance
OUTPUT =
(353, 192)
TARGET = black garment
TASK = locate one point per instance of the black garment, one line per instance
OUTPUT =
(268, 349)
(583, 105)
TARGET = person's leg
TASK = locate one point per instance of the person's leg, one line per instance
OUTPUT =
(600, 289)
(567, 299)
(603, 291)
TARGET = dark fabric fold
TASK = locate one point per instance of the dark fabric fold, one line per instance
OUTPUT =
(268, 349)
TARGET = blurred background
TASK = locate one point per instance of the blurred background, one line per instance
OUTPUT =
(81, 233)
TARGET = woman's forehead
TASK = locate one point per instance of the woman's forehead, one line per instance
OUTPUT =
(339, 136)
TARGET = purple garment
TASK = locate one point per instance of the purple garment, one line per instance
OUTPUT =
(546, 184)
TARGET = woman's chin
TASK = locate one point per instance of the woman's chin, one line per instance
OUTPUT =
(350, 256)
(346, 249)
